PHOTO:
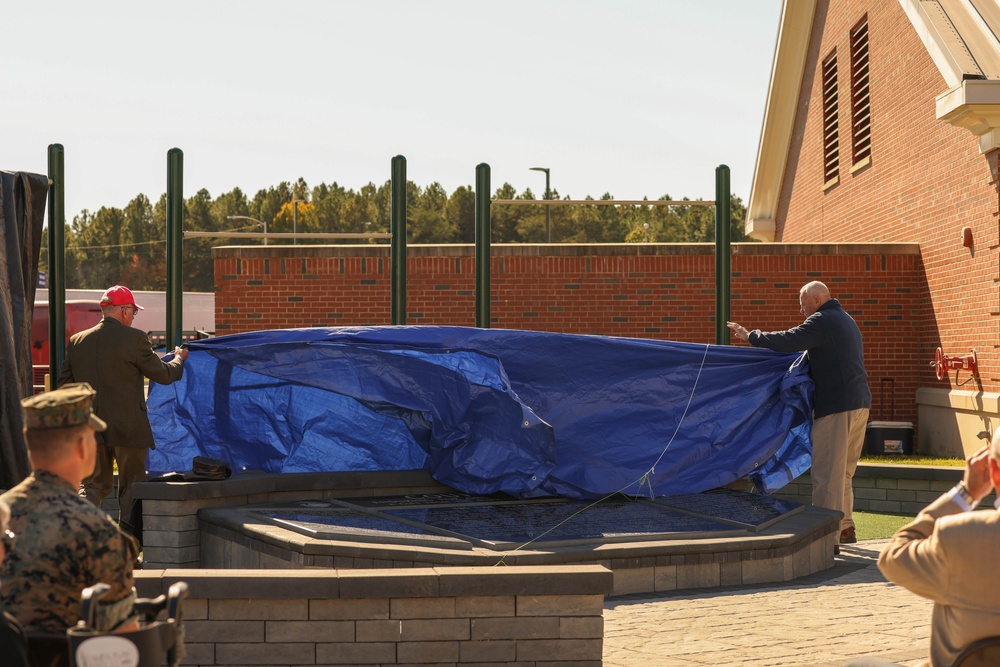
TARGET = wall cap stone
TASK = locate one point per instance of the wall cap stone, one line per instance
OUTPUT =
(959, 399)
(497, 250)
(252, 483)
(385, 583)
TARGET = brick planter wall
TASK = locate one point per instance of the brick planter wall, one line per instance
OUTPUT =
(528, 616)
(890, 489)
(202, 525)
(171, 534)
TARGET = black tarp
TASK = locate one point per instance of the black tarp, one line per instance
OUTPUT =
(22, 214)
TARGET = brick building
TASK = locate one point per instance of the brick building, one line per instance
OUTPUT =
(876, 173)
(881, 126)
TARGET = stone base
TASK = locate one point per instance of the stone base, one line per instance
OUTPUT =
(210, 525)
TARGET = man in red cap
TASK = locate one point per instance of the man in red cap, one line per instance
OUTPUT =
(113, 358)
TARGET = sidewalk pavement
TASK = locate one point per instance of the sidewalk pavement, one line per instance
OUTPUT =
(821, 620)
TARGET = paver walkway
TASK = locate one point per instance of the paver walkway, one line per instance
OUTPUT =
(822, 620)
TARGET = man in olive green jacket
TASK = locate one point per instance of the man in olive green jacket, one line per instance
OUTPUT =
(113, 357)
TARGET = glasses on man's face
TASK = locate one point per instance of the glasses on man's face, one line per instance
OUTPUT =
(8, 539)
(135, 311)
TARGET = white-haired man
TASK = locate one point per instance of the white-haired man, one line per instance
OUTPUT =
(831, 339)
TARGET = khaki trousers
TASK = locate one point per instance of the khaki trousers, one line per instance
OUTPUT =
(837, 442)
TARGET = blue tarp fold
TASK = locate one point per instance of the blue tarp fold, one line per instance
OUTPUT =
(526, 413)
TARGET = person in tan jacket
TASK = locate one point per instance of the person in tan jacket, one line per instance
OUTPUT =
(113, 357)
(948, 555)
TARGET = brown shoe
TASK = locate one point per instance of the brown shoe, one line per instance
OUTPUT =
(848, 536)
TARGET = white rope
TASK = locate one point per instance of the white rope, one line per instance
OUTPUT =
(643, 479)
(684, 414)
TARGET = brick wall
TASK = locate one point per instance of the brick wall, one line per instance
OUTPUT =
(528, 617)
(662, 291)
(926, 180)
(890, 489)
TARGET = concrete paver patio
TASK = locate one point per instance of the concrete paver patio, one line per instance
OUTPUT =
(822, 620)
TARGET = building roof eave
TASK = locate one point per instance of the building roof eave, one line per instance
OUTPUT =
(961, 39)
(940, 39)
(790, 53)
(975, 106)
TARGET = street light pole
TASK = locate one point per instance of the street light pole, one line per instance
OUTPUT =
(247, 217)
(295, 216)
(548, 209)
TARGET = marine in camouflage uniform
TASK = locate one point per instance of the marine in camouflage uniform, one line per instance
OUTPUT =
(64, 543)
(13, 646)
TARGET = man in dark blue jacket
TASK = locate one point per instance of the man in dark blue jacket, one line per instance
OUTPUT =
(832, 341)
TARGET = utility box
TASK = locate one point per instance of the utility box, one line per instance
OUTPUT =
(889, 438)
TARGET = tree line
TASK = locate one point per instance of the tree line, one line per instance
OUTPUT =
(127, 245)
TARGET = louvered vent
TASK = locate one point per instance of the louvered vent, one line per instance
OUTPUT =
(861, 108)
(831, 142)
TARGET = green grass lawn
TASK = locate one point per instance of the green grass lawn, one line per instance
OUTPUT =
(876, 526)
(913, 460)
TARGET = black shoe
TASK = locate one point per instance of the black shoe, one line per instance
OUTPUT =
(836, 550)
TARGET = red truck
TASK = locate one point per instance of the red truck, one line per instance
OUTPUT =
(80, 315)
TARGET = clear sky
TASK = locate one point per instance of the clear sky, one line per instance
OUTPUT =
(632, 97)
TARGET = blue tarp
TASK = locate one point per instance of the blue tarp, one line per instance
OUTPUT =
(488, 410)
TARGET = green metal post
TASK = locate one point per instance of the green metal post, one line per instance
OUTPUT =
(56, 280)
(397, 249)
(175, 248)
(483, 246)
(723, 234)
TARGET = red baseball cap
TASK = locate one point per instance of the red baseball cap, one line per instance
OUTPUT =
(119, 295)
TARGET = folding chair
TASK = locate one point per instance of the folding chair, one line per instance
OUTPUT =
(982, 653)
(144, 647)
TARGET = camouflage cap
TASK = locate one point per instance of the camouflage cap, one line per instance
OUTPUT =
(70, 405)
